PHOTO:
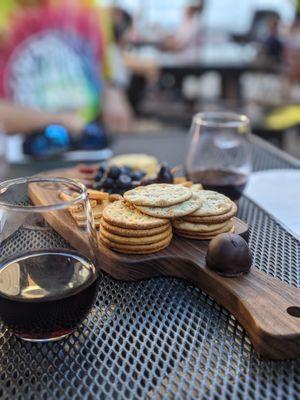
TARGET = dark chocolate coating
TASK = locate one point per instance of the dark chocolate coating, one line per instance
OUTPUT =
(229, 255)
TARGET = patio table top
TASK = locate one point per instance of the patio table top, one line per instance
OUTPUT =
(162, 338)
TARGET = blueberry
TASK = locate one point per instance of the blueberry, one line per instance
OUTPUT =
(119, 191)
(108, 183)
(124, 181)
(102, 169)
(114, 172)
(98, 176)
(97, 186)
(126, 169)
(138, 175)
(164, 169)
(165, 175)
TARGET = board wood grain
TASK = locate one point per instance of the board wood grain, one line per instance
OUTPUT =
(257, 300)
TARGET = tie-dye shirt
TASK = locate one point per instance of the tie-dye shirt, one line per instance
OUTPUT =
(53, 54)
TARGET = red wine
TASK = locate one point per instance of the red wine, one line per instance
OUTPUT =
(45, 295)
(230, 183)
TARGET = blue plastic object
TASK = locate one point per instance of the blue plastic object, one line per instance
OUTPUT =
(56, 139)
(93, 137)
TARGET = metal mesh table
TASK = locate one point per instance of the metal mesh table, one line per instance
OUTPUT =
(163, 339)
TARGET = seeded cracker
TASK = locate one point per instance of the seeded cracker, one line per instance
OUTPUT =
(177, 210)
(118, 214)
(134, 232)
(158, 195)
(124, 240)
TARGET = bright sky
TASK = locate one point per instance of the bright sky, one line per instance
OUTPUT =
(232, 15)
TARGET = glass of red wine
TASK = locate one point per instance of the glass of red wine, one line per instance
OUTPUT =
(219, 154)
(49, 273)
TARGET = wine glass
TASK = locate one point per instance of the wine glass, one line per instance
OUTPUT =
(48, 264)
(3, 149)
(219, 154)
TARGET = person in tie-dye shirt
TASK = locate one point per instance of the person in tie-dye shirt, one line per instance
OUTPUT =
(55, 59)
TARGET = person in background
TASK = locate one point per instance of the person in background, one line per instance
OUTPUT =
(291, 57)
(139, 71)
(55, 59)
(297, 9)
(273, 44)
(16, 118)
(189, 32)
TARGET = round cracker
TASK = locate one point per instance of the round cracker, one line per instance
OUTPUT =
(134, 232)
(119, 214)
(199, 228)
(226, 228)
(136, 249)
(200, 237)
(213, 203)
(135, 240)
(175, 211)
(214, 219)
(158, 195)
(139, 252)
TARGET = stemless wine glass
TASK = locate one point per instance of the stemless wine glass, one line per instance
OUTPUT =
(219, 153)
(3, 150)
(48, 264)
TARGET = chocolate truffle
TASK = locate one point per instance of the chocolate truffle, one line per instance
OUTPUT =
(229, 255)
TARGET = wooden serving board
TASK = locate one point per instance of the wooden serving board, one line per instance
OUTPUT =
(267, 308)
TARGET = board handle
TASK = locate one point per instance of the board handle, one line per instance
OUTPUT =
(267, 308)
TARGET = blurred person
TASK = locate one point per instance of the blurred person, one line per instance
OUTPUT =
(55, 58)
(291, 56)
(139, 71)
(16, 118)
(272, 43)
(189, 31)
(297, 9)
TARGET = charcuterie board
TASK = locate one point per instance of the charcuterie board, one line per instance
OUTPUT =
(267, 308)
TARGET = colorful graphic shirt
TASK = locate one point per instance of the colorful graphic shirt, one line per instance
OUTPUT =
(52, 55)
(298, 8)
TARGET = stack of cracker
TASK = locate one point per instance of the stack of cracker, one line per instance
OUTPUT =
(126, 230)
(98, 201)
(213, 217)
(164, 200)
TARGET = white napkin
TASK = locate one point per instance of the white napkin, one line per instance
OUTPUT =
(278, 192)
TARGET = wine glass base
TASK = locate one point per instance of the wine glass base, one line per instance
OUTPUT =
(44, 340)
